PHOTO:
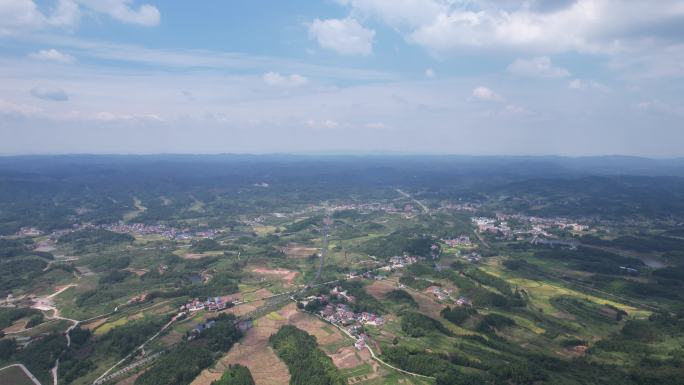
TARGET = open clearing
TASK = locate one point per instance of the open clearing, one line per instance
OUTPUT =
(14, 375)
(17, 326)
(286, 275)
(138, 272)
(298, 251)
(193, 256)
(426, 304)
(264, 230)
(379, 289)
(348, 357)
(253, 352)
(130, 380)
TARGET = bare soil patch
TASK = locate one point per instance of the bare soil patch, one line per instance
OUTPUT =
(299, 251)
(426, 304)
(244, 308)
(17, 326)
(130, 380)
(46, 246)
(379, 289)
(311, 325)
(95, 324)
(286, 275)
(14, 375)
(138, 272)
(346, 358)
(172, 338)
(253, 352)
(564, 315)
(193, 256)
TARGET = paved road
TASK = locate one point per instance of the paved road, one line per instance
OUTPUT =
(324, 252)
(416, 201)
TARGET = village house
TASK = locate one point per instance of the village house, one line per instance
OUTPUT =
(211, 304)
(441, 293)
(462, 240)
(463, 301)
(337, 291)
(199, 328)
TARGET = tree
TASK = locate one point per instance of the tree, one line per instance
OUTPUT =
(235, 375)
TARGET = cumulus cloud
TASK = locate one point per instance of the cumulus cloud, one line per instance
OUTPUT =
(52, 94)
(17, 16)
(24, 15)
(344, 36)
(52, 55)
(533, 26)
(486, 95)
(122, 10)
(430, 73)
(537, 67)
(579, 84)
(278, 80)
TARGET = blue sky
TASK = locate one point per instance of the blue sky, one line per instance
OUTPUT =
(568, 77)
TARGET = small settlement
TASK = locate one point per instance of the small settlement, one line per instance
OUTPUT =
(342, 315)
(210, 304)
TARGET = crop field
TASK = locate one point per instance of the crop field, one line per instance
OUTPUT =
(14, 375)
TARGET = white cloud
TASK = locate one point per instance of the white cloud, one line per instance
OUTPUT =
(18, 16)
(515, 110)
(52, 55)
(579, 84)
(276, 79)
(408, 13)
(121, 10)
(344, 36)
(109, 117)
(23, 15)
(197, 58)
(325, 123)
(581, 25)
(486, 95)
(537, 67)
(53, 94)
(430, 73)
(25, 110)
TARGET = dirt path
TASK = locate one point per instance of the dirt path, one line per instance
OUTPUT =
(62, 290)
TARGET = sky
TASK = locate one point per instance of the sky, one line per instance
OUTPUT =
(474, 77)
